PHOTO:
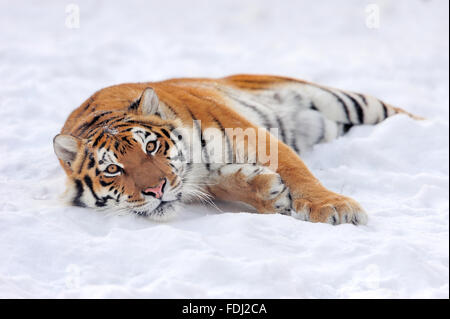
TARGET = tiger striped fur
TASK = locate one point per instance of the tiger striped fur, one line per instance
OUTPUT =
(129, 146)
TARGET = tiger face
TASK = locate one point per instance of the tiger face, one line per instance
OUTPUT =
(128, 163)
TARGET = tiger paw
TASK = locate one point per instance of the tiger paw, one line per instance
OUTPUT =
(260, 186)
(334, 209)
(273, 193)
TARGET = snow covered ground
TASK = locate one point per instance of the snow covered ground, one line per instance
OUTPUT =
(398, 170)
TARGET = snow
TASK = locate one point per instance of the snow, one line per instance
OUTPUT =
(397, 170)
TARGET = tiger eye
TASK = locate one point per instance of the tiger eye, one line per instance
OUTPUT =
(150, 146)
(112, 169)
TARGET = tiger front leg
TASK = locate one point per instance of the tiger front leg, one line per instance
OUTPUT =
(311, 201)
(255, 185)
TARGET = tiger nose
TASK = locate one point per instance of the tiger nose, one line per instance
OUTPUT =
(157, 191)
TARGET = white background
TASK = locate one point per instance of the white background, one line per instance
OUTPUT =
(398, 170)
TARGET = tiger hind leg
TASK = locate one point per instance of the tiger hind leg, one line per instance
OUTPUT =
(252, 184)
(343, 108)
(312, 127)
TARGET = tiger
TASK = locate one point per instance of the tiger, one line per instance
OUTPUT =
(129, 147)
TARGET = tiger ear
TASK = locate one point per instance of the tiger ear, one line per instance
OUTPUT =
(148, 102)
(66, 147)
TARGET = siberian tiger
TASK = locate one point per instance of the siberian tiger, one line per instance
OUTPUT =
(130, 147)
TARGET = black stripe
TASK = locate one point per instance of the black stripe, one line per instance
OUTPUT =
(128, 129)
(166, 148)
(81, 129)
(202, 140)
(363, 98)
(385, 109)
(77, 199)
(98, 139)
(111, 121)
(99, 202)
(313, 106)
(88, 182)
(229, 147)
(294, 142)
(346, 127)
(99, 126)
(135, 105)
(103, 200)
(93, 131)
(123, 125)
(164, 131)
(266, 121)
(103, 183)
(227, 139)
(103, 145)
(82, 161)
(125, 139)
(358, 107)
(88, 105)
(341, 101)
(281, 127)
(91, 161)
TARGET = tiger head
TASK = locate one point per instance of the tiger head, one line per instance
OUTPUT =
(126, 161)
